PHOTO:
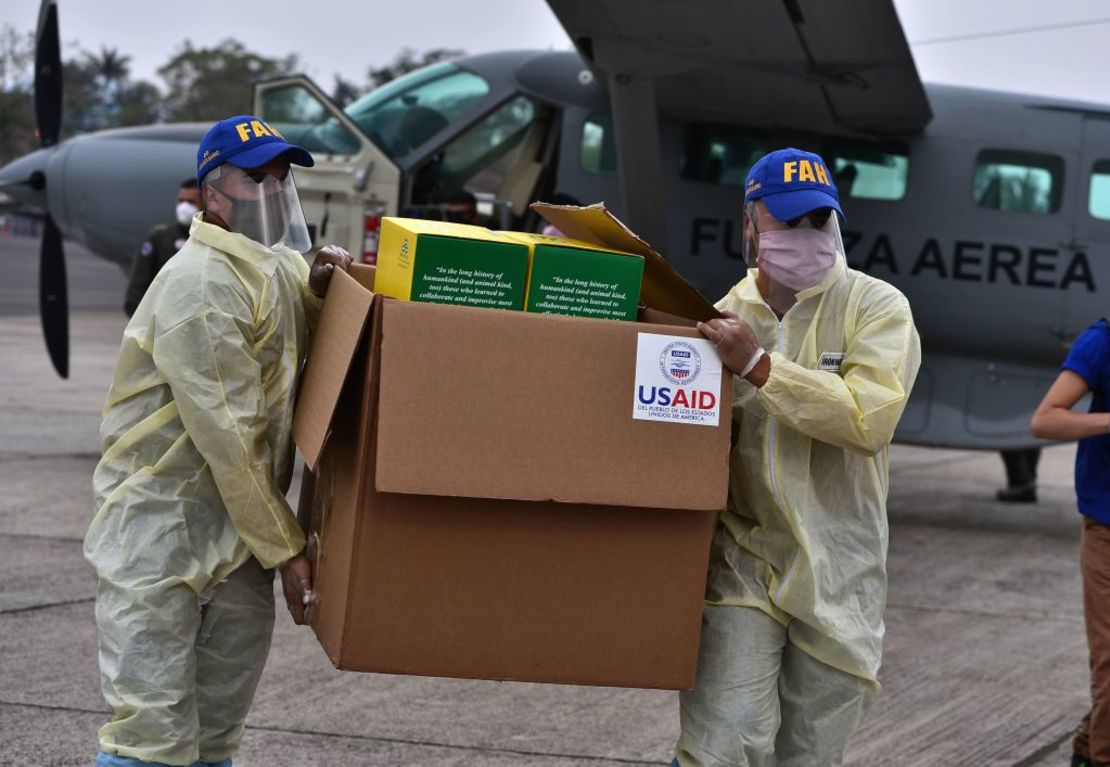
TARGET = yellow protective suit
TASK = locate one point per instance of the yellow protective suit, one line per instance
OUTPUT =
(804, 537)
(809, 474)
(191, 513)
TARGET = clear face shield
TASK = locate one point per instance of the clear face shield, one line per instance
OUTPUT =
(794, 255)
(258, 206)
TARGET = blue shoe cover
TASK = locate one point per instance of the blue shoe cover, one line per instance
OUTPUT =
(112, 760)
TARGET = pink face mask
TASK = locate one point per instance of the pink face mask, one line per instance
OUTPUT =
(796, 258)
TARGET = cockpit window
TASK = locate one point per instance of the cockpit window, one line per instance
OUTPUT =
(498, 157)
(1027, 182)
(403, 114)
(496, 134)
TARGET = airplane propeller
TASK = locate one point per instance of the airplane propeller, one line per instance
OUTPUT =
(53, 299)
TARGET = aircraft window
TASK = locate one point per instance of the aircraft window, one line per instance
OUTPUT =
(868, 172)
(598, 151)
(494, 157)
(403, 114)
(719, 154)
(304, 120)
(1027, 182)
(496, 134)
(1099, 203)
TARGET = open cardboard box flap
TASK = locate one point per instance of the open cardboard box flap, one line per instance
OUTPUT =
(483, 403)
(663, 288)
(337, 335)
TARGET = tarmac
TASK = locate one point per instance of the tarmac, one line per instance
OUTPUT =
(985, 660)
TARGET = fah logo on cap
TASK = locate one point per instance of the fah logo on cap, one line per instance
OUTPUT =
(255, 129)
(804, 170)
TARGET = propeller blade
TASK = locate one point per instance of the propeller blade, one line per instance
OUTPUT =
(53, 302)
(48, 74)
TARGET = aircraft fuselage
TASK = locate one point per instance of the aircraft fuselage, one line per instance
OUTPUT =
(1000, 284)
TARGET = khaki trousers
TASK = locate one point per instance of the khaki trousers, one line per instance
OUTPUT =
(1092, 739)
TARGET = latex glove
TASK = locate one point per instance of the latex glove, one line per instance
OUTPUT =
(735, 340)
(296, 584)
(327, 259)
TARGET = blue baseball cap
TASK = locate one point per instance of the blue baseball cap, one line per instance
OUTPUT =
(792, 183)
(245, 142)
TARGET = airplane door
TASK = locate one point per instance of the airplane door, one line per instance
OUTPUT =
(353, 182)
(1088, 293)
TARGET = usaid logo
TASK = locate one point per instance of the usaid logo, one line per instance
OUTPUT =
(677, 380)
(680, 362)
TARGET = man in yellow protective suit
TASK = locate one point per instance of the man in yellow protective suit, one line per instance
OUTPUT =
(824, 358)
(197, 456)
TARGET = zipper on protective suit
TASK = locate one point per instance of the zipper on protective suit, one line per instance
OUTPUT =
(772, 459)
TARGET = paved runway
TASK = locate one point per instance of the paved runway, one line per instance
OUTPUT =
(985, 656)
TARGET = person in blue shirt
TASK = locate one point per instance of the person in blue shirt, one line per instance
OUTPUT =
(1087, 369)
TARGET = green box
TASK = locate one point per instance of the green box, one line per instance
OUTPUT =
(581, 280)
(443, 263)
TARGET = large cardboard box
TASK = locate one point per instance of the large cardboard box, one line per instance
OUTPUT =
(580, 279)
(445, 263)
(485, 503)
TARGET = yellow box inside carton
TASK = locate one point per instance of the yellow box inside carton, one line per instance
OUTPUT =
(444, 263)
(580, 279)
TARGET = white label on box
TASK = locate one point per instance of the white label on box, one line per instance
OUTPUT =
(677, 380)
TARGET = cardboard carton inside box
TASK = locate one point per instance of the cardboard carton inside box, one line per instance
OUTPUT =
(580, 279)
(446, 263)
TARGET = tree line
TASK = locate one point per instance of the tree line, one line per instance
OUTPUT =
(198, 84)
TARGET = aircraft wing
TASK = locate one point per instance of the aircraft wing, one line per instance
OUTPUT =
(833, 67)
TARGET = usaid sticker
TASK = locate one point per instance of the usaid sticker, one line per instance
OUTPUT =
(677, 379)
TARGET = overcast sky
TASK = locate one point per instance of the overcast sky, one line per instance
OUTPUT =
(347, 37)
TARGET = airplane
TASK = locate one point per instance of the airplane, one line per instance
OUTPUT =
(990, 211)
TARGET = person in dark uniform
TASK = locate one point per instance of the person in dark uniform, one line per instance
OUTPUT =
(160, 244)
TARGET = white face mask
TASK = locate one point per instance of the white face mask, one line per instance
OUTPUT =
(185, 212)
